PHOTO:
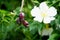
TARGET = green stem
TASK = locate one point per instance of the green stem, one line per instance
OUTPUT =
(47, 26)
(22, 4)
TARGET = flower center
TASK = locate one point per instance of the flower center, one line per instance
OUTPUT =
(43, 14)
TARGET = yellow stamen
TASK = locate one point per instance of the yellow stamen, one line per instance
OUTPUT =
(43, 15)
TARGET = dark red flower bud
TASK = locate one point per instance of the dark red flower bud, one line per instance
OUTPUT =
(21, 20)
(21, 16)
(25, 23)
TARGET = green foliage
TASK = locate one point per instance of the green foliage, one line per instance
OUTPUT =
(11, 30)
(54, 36)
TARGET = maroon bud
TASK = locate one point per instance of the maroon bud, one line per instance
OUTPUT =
(21, 16)
(25, 23)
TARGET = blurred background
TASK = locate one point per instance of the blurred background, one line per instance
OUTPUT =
(11, 30)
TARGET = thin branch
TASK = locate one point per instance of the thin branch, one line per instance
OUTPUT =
(22, 4)
(32, 2)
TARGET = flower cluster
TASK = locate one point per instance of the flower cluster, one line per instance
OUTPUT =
(44, 14)
(22, 20)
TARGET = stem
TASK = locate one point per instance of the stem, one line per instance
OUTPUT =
(22, 4)
(32, 2)
(47, 26)
(41, 36)
(54, 3)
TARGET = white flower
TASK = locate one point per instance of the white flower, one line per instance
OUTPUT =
(46, 32)
(43, 13)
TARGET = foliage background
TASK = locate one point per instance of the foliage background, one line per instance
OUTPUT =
(10, 30)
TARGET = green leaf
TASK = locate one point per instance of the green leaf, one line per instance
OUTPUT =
(35, 1)
(54, 36)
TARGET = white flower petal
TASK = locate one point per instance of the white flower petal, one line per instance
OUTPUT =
(46, 32)
(52, 18)
(35, 11)
(50, 31)
(43, 7)
(52, 11)
(39, 19)
(48, 19)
